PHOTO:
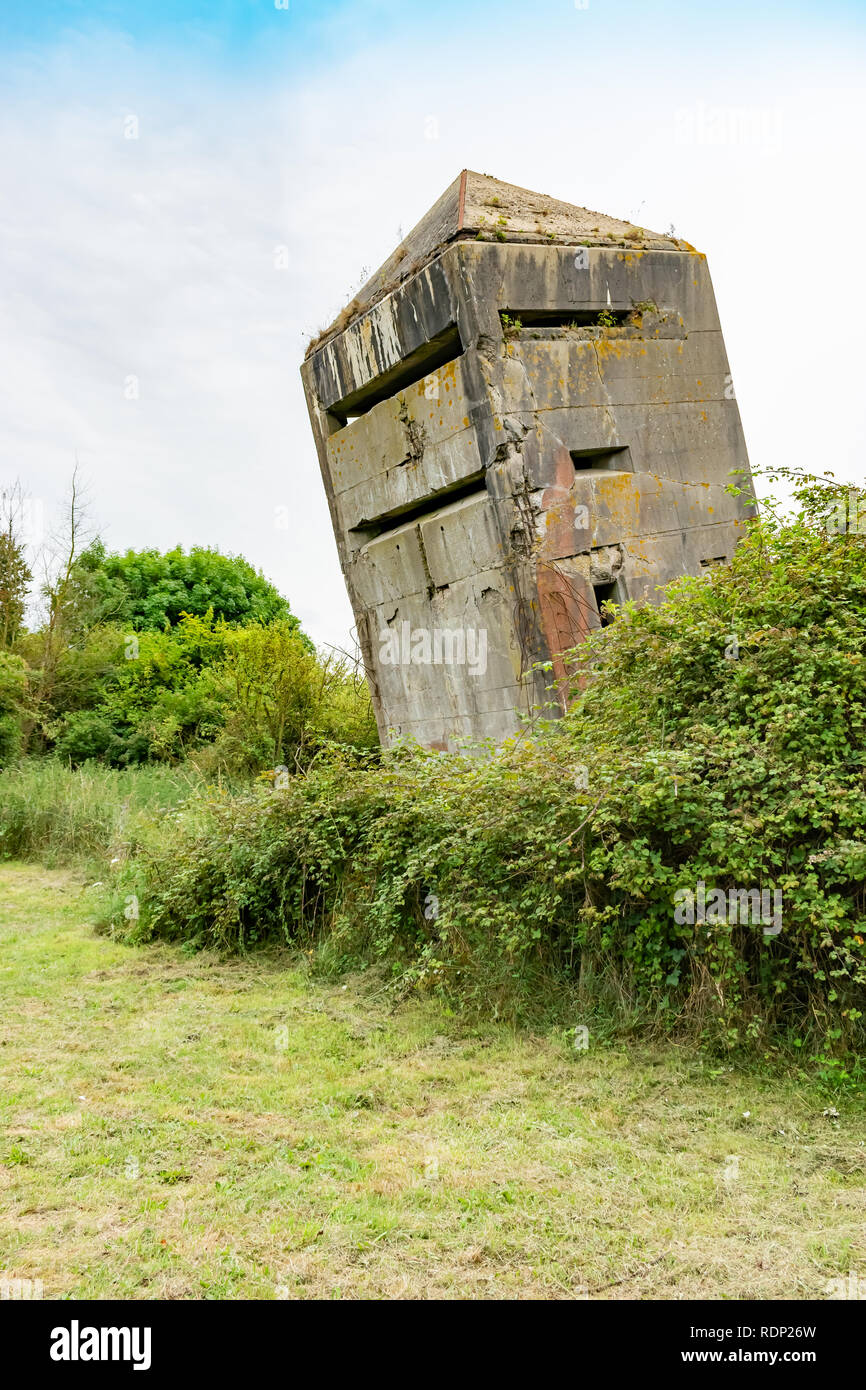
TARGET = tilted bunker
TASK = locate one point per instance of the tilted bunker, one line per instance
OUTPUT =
(525, 413)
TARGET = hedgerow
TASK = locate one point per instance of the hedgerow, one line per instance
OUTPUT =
(716, 739)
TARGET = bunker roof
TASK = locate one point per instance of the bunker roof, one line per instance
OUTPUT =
(484, 208)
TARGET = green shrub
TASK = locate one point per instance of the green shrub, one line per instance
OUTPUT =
(87, 735)
(14, 703)
(243, 698)
(10, 739)
(717, 738)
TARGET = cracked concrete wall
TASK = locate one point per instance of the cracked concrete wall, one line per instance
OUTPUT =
(495, 458)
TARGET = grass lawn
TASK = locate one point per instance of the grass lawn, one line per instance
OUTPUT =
(182, 1126)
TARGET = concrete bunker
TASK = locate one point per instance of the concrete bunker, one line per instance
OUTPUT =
(524, 415)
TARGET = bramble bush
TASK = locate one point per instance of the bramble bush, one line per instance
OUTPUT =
(718, 738)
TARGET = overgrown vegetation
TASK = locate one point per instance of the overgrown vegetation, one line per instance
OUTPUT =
(714, 749)
(91, 815)
(148, 658)
(717, 740)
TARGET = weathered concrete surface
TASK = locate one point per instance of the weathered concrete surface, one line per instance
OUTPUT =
(510, 433)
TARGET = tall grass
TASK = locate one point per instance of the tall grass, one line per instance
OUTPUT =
(60, 815)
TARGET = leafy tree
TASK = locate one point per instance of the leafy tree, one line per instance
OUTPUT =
(282, 700)
(238, 699)
(46, 651)
(130, 698)
(148, 656)
(15, 576)
(14, 704)
(15, 573)
(147, 590)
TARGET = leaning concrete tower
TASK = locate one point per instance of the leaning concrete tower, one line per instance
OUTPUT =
(526, 413)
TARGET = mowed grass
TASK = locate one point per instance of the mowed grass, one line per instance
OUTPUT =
(188, 1127)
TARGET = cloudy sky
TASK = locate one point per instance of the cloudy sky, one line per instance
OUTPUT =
(192, 188)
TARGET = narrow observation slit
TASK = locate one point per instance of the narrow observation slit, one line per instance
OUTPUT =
(473, 486)
(565, 318)
(613, 459)
(429, 357)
